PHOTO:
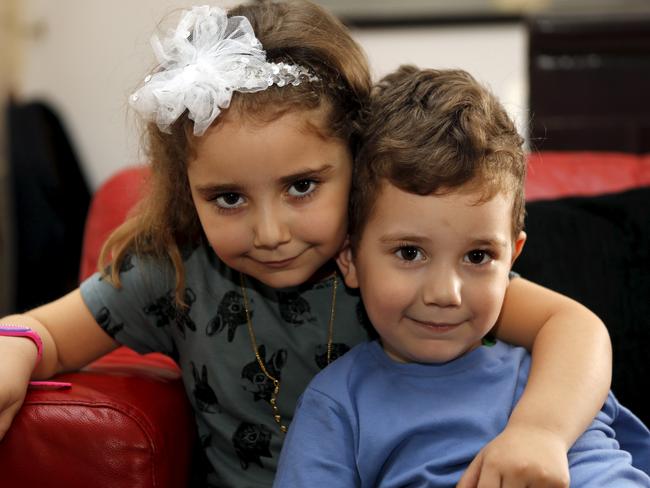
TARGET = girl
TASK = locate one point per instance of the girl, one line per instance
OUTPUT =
(228, 265)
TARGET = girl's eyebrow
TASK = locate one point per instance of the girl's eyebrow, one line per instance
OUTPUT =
(214, 189)
(307, 173)
(211, 189)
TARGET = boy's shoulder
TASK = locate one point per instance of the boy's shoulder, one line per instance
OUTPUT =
(339, 374)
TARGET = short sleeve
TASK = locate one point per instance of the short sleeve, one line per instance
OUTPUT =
(597, 459)
(140, 313)
(318, 449)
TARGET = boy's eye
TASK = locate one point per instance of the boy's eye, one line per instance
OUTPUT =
(477, 256)
(302, 188)
(229, 200)
(409, 253)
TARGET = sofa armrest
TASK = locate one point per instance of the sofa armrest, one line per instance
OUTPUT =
(124, 423)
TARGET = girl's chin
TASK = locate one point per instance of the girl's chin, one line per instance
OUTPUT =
(295, 277)
(324, 272)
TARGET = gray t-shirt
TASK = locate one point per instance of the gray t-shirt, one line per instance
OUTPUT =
(211, 343)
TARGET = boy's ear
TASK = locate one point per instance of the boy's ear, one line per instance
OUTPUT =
(518, 247)
(345, 262)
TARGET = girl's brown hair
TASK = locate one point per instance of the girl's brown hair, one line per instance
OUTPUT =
(294, 31)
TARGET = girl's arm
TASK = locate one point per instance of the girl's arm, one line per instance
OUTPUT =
(71, 339)
(571, 370)
(568, 382)
(71, 336)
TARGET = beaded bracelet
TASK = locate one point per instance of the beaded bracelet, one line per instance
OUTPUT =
(21, 331)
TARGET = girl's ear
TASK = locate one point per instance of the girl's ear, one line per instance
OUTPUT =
(345, 262)
(519, 245)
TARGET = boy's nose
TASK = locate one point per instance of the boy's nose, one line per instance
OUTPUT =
(270, 229)
(442, 288)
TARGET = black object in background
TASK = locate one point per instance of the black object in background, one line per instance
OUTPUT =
(50, 202)
(589, 76)
(596, 250)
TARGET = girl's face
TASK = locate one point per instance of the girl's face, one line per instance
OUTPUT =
(272, 198)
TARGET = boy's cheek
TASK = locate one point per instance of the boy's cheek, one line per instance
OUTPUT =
(382, 294)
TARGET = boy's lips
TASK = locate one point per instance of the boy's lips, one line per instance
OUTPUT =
(437, 326)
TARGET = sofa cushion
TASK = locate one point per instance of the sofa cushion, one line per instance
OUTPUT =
(582, 173)
(597, 251)
(110, 206)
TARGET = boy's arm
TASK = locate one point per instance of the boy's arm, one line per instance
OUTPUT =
(569, 379)
(599, 456)
(319, 447)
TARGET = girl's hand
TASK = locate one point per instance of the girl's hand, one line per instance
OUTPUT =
(71, 339)
(521, 456)
(17, 359)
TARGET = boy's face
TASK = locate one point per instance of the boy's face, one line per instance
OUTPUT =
(433, 271)
(272, 198)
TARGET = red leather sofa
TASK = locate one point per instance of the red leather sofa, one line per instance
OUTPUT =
(126, 422)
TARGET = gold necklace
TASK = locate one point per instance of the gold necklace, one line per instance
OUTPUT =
(251, 334)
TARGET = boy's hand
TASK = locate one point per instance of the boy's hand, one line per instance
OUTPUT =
(17, 358)
(519, 457)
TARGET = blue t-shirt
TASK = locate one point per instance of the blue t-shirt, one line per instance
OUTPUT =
(368, 421)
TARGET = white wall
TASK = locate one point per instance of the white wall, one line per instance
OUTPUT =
(495, 54)
(92, 54)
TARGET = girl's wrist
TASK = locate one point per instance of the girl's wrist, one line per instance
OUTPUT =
(538, 423)
(18, 332)
(19, 337)
(18, 356)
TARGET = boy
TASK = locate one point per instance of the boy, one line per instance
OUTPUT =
(437, 217)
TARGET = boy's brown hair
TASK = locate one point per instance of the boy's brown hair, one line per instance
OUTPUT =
(293, 31)
(431, 132)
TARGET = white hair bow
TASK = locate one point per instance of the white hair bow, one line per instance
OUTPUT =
(201, 63)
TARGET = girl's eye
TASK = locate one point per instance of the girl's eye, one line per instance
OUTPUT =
(409, 253)
(302, 188)
(229, 200)
(477, 256)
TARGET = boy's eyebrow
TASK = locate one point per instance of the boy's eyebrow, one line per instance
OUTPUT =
(416, 239)
(490, 241)
(306, 173)
(395, 237)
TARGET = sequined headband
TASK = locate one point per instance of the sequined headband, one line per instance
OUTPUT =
(206, 58)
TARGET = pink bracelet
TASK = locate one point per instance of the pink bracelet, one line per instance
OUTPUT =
(20, 331)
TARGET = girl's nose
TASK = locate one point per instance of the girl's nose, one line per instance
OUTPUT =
(271, 230)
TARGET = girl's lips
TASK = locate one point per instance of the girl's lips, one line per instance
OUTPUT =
(277, 264)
